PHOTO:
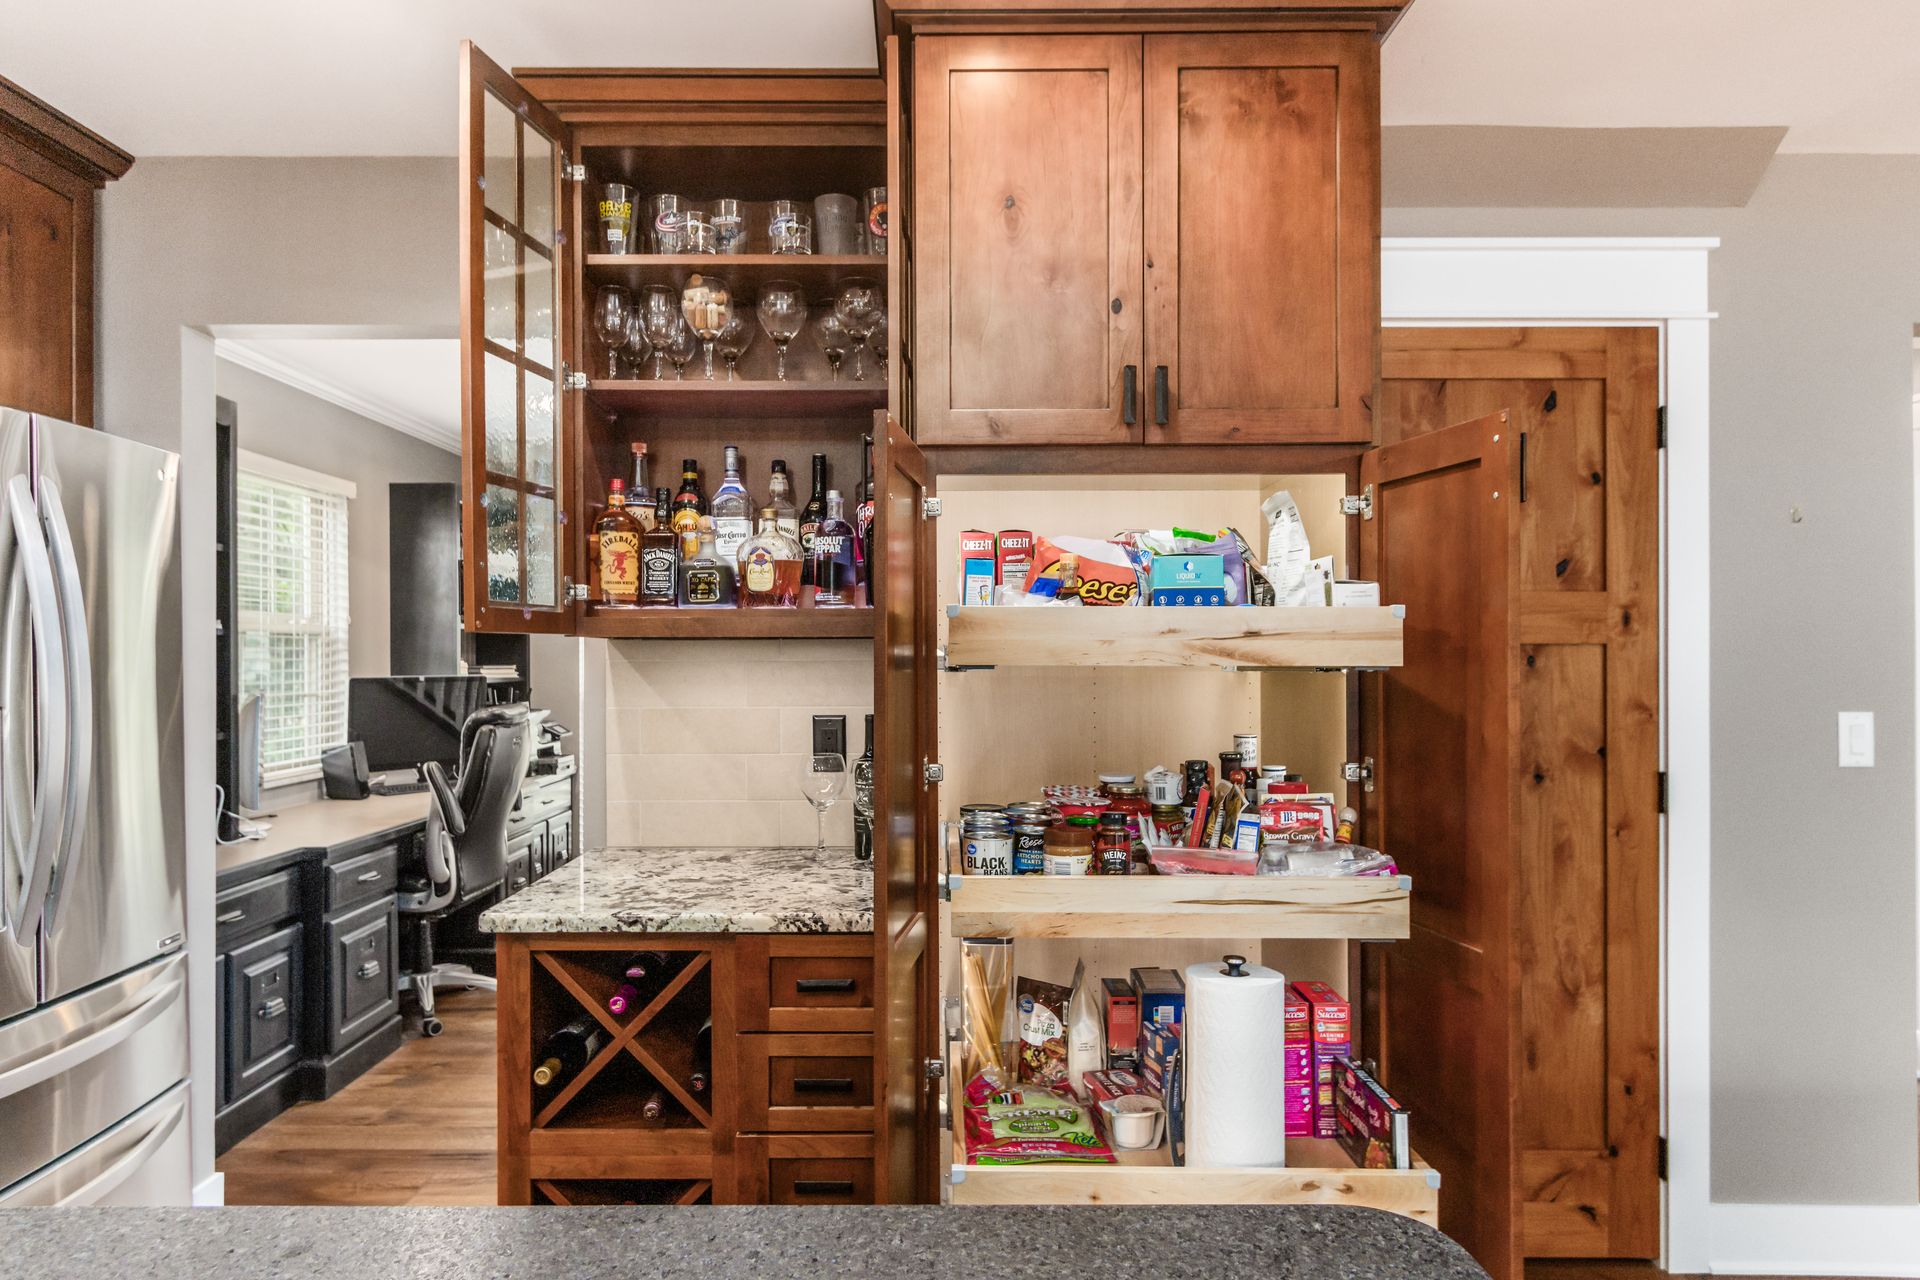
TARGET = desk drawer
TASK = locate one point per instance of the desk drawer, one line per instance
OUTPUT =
(362, 987)
(247, 907)
(806, 1083)
(804, 1168)
(820, 983)
(363, 879)
(537, 805)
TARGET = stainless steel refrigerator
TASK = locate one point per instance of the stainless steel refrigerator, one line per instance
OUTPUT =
(93, 1008)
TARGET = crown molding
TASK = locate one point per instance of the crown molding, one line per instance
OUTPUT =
(247, 356)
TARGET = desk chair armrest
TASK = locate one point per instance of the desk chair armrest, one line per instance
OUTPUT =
(451, 818)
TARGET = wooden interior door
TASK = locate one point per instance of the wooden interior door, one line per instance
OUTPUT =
(905, 815)
(516, 553)
(1583, 404)
(1440, 733)
(1026, 239)
(1262, 236)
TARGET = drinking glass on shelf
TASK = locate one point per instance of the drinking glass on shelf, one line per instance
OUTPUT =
(858, 306)
(707, 305)
(736, 338)
(836, 220)
(635, 348)
(789, 228)
(660, 308)
(875, 208)
(823, 784)
(834, 341)
(682, 347)
(610, 307)
(877, 339)
(730, 225)
(669, 225)
(700, 234)
(783, 310)
(616, 217)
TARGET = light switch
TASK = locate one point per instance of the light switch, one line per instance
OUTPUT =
(1856, 739)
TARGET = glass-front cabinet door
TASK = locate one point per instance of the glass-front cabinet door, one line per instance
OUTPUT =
(512, 446)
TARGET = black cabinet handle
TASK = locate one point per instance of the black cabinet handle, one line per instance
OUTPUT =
(368, 877)
(1130, 395)
(369, 970)
(823, 1187)
(271, 1009)
(807, 986)
(823, 1084)
(1160, 394)
(230, 917)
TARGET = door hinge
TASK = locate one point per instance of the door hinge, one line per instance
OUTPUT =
(930, 508)
(1661, 418)
(931, 773)
(571, 381)
(574, 172)
(1361, 506)
(1660, 1158)
(1361, 772)
(1663, 791)
(573, 590)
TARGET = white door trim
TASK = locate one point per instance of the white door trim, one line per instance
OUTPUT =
(1642, 281)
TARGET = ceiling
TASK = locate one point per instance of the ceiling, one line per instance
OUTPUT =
(378, 77)
(409, 384)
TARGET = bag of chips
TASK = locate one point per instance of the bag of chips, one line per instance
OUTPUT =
(1042, 1010)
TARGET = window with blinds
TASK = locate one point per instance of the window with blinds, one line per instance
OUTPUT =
(291, 564)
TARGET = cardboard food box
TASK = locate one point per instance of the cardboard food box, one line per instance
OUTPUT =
(977, 567)
(1331, 1022)
(1013, 555)
(1162, 997)
(1372, 1126)
(1123, 1022)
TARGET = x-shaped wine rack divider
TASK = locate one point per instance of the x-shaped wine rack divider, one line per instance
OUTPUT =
(691, 1195)
(623, 1038)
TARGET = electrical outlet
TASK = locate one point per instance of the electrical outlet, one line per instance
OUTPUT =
(830, 736)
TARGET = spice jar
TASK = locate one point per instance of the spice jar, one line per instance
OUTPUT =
(1069, 848)
(1112, 846)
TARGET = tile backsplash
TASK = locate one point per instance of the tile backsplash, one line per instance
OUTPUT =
(707, 739)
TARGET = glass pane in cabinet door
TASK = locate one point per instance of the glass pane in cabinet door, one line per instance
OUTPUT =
(536, 197)
(540, 308)
(503, 424)
(502, 273)
(499, 126)
(503, 544)
(539, 429)
(542, 551)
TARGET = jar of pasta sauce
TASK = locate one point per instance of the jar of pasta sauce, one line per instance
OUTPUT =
(1170, 820)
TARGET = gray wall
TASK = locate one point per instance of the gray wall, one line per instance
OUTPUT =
(1817, 285)
(288, 424)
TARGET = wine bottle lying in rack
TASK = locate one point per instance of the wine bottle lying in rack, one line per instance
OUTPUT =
(702, 1058)
(568, 1049)
(644, 974)
(655, 1106)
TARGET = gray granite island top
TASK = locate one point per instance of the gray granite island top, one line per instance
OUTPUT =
(662, 890)
(1272, 1242)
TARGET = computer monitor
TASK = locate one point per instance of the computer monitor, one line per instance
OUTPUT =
(405, 721)
(246, 756)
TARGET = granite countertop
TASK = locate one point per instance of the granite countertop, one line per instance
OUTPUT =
(1275, 1242)
(695, 891)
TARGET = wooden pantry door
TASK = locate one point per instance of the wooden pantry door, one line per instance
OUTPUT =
(1585, 759)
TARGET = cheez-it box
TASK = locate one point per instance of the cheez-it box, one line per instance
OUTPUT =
(1014, 557)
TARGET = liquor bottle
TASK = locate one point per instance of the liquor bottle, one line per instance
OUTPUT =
(655, 1106)
(810, 517)
(697, 1078)
(863, 800)
(769, 564)
(616, 545)
(568, 1049)
(780, 498)
(660, 554)
(863, 523)
(638, 488)
(833, 584)
(706, 582)
(732, 512)
(688, 506)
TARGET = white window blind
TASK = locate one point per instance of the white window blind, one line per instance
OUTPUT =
(291, 557)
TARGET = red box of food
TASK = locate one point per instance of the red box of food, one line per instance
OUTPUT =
(1123, 1022)
(1014, 555)
(1292, 822)
(1103, 1085)
(1330, 1020)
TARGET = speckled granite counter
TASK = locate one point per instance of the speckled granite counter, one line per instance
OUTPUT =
(695, 891)
(1294, 1242)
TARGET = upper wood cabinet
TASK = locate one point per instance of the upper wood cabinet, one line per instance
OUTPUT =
(1230, 180)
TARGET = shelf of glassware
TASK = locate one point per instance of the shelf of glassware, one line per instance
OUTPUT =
(742, 271)
(663, 623)
(694, 397)
(1358, 908)
(1257, 638)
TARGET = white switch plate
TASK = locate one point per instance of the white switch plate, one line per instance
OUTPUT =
(1856, 739)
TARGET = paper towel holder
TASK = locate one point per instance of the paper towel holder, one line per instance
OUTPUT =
(1236, 967)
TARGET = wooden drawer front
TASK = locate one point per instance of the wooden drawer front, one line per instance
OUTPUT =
(362, 987)
(806, 1083)
(805, 984)
(263, 1010)
(268, 900)
(363, 879)
(804, 1168)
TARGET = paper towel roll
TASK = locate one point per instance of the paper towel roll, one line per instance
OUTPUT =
(1235, 1041)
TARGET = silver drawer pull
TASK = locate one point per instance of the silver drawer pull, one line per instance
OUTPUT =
(367, 877)
(271, 1009)
(368, 970)
(230, 917)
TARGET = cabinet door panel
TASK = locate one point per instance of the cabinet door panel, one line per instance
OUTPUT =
(1262, 237)
(46, 291)
(1027, 279)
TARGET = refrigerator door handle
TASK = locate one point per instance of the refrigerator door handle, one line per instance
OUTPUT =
(51, 705)
(128, 1163)
(109, 1030)
(79, 674)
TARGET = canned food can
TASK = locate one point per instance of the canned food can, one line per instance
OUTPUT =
(988, 853)
(1029, 848)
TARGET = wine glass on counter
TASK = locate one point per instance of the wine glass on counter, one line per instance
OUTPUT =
(783, 311)
(834, 341)
(736, 338)
(707, 304)
(682, 347)
(858, 306)
(660, 308)
(610, 307)
(824, 782)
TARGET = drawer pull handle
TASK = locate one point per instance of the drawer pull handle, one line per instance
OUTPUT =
(368, 877)
(823, 1084)
(271, 1009)
(370, 969)
(823, 1187)
(809, 986)
(230, 917)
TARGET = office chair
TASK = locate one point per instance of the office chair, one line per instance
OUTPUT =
(465, 846)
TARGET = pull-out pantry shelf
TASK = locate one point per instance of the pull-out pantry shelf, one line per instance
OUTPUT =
(1350, 907)
(1235, 638)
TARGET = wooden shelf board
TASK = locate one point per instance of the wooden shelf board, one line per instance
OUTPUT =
(729, 624)
(1326, 907)
(1172, 637)
(695, 397)
(743, 272)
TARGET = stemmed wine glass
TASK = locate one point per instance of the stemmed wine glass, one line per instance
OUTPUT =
(707, 304)
(783, 310)
(635, 347)
(858, 307)
(660, 308)
(735, 339)
(610, 307)
(682, 347)
(833, 339)
(823, 784)
(878, 341)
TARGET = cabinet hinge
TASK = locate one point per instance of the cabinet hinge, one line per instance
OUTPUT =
(936, 1068)
(1661, 418)
(1361, 772)
(574, 172)
(572, 381)
(574, 590)
(1660, 1158)
(1663, 791)
(1361, 506)
(929, 508)
(931, 773)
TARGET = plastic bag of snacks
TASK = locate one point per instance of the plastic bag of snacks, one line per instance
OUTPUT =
(1102, 572)
(1028, 1125)
(1224, 543)
(1042, 1008)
